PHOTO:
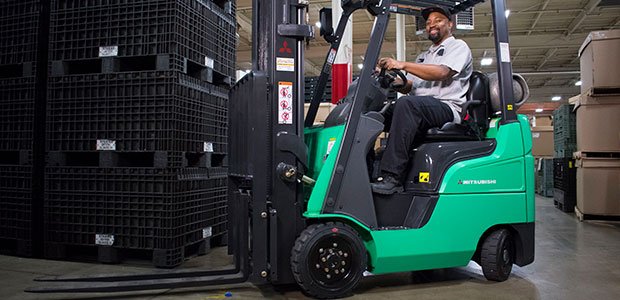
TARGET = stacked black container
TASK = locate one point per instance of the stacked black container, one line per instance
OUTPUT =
(544, 177)
(310, 85)
(19, 27)
(137, 127)
(564, 169)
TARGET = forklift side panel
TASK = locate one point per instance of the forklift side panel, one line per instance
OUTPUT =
(450, 237)
(355, 199)
(500, 172)
(529, 169)
(432, 160)
(321, 142)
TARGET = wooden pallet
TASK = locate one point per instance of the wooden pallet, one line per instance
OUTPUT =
(593, 154)
(585, 217)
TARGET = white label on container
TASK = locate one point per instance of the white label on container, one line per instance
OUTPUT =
(285, 64)
(104, 239)
(103, 145)
(208, 62)
(208, 147)
(285, 102)
(107, 51)
(207, 232)
(504, 52)
(535, 135)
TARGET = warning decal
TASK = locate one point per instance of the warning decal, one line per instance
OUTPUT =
(285, 64)
(330, 145)
(285, 102)
(332, 56)
(425, 177)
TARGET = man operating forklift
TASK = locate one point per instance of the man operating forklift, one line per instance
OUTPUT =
(437, 84)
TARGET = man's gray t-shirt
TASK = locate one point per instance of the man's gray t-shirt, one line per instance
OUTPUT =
(456, 55)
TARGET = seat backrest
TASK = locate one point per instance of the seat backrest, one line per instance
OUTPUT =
(479, 90)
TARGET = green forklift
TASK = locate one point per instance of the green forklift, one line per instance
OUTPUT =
(301, 209)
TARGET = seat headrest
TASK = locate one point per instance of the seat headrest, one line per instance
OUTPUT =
(478, 87)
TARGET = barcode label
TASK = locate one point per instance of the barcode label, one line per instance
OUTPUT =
(104, 239)
(104, 145)
(207, 232)
(208, 62)
(108, 51)
(208, 147)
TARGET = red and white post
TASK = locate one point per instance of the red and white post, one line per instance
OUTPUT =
(342, 70)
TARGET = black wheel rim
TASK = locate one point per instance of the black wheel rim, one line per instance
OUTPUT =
(331, 259)
(506, 256)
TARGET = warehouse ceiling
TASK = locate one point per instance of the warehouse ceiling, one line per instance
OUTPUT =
(545, 36)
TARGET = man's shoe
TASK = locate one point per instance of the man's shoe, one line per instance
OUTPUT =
(387, 185)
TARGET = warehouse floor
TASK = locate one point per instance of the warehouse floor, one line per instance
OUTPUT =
(574, 260)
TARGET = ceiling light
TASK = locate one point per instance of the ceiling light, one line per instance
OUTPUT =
(539, 110)
(578, 83)
(318, 24)
(360, 66)
(487, 61)
(507, 13)
(556, 98)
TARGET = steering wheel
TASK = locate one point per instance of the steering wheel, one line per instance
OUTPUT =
(387, 79)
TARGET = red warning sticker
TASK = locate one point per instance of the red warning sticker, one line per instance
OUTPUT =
(285, 100)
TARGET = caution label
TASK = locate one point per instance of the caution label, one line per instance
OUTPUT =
(332, 56)
(330, 145)
(285, 102)
(509, 107)
(285, 64)
(425, 177)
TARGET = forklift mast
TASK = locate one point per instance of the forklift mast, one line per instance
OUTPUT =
(266, 137)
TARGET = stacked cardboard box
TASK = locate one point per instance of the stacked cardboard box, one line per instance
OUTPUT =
(542, 141)
(598, 126)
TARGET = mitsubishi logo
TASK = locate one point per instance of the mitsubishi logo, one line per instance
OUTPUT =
(285, 48)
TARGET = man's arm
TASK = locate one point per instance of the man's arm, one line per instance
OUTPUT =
(427, 72)
(405, 89)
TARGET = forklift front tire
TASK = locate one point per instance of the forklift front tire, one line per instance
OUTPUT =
(328, 260)
(497, 255)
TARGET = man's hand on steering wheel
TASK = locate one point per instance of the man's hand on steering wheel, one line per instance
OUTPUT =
(392, 79)
(390, 64)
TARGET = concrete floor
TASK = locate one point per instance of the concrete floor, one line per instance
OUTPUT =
(574, 260)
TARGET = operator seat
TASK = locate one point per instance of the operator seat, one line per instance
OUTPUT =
(475, 111)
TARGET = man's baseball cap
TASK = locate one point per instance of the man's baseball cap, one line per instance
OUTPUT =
(440, 9)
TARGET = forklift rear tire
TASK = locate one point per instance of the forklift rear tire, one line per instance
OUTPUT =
(328, 260)
(497, 255)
